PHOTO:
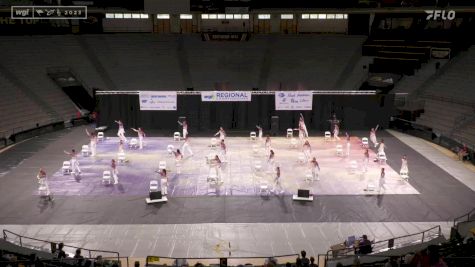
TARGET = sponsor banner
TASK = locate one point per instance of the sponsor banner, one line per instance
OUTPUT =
(157, 100)
(293, 100)
(225, 96)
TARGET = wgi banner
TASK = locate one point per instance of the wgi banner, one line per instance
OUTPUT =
(225, 96)
(293, 100)
(157, 100)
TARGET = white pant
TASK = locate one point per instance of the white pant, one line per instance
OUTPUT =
(186, 147)
(185, 133)
(140, 142)
(93, 148)
(260, 135)
(335, 134)
(75, 166)
(164, 186)
(114, 175)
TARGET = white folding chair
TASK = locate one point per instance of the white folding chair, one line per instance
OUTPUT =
(404, 175)
(364, 142)
(353, 166)
(302, 158)
(100, 136)
(264, 189)
(255, 149)
(214, 142)
(328, 136)
(339, 150)
(106, 177)
(170, 149)
(154, 186)
(162, 165)
(370, 186)
(121, 157)
(253, 136)
(134, 143)
(290, 133)
(176, 136)
(66, 167)
(308, 177)
(85, 150)
(257, 165)
(293, 142)
(382, 158)
(212, 176)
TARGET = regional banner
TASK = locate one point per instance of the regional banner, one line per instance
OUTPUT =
(293, 100)
(157, 100)
(225, 96)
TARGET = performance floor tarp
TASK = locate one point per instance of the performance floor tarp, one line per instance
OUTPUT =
(441, 197)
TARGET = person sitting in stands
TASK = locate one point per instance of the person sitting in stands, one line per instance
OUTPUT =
(60, 254)
(312, 262)
(304, 260)
(364, 246)
(463, 152)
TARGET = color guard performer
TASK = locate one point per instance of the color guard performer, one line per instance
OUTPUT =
(404, 167)
(315, 169)
(372, 136)
(121, 131)
(92, 142)
(114, 171)
(259, 128)
(267, 145)
(141, 136)
(74, 161)
(184, 124)
(221, 133)
(186, 147)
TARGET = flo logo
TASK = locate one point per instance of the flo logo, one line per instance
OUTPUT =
(440, 14)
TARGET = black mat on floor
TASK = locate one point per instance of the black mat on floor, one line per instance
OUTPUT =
(442, 196)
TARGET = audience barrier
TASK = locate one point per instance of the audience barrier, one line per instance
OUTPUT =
(50, 246)
(226, 260)
(383, 246)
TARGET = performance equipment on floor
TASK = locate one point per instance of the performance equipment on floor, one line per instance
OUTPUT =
(176, 136)
(155, 197)
(264, 189)
(154, 186)
(404, 175)
(121, 157)
(162, 165)
(382, 158)
(66, 167)
(100, 136)
(365, 142)
(214, 142)
(170, 149)
(85, 151)
(106, 177)
(339, 150)
(328, 136)
(134, 143)
(252, 136)
(290, 133)
(303, 195)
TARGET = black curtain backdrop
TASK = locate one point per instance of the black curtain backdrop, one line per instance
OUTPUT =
(357, 112)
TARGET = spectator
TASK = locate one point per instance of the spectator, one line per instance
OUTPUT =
(463, 152)
(298, 262)
(60, 254)
(312, 262)
(137, 264)
(288, 264)
(305, 260)
(364, 246)
(78, 257)
(392, 262)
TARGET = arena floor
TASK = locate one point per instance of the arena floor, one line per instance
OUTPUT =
(430, 195)
(239, 176)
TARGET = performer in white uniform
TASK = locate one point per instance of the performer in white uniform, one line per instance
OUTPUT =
(114, 171)
(92, 142)
(404, 168)
(74, 161)
(381, 146)
(186, 147)
(222, 134)
(259, 128)
(121, 131)
(184, 124)
(267, 145)
(217, 166)
(178, 156)
(277, 183)
(366, 160)
(382, 181)
(121, 146)
(223, 148)
(307, 150)
(315, 167)
(336, 132)
(42, 181)
(141, 136)
(372, 136)
(163, 181)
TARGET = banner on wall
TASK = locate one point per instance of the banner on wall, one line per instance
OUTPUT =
(225, 96)
(293, 100)
(157, 100)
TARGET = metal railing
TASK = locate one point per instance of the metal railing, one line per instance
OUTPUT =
(104, 261)
(464, 218)
(392, 243)
(215, 261)
(45, 245)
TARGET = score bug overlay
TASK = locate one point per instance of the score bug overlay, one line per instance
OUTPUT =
(49, 12)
